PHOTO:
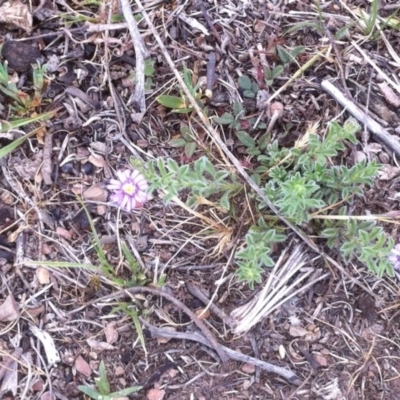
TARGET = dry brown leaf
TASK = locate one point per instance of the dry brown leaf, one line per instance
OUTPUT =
(96, 193)
(9, 310)
(38, 385)
(155, 394)
(9, 372)
(298, 331)
(166, 340)
(388, 172)
(201, 314)
(247, 383)
(83, 367)
(390, 96)
(27, 168)
(119, 371)
(63, 232)
(47, 396)
(47, 166)
(320, 359)
(34, 312)
(97, 161)
(43, 276)
(248, 368)
(16, 13)
(99, 346)
(111, 333)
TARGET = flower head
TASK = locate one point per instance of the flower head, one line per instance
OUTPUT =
(129, 190)
(394, 257)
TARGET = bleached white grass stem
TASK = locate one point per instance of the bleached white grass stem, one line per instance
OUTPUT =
(276, 291)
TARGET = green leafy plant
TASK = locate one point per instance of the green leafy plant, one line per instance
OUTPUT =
(288, 56)
(232, 119)
(250, 88)
(305, 185)
(180, 104)
(24, 102)
(149, 71)
(103, 391)
(302, 181)
(202, 178)
(271, 74)
(137, 276)
(235, 121)
(186, 141)
(252, 259)
(369, 20)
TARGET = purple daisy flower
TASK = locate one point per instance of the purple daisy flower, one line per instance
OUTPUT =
(394, 257)
(129, 190)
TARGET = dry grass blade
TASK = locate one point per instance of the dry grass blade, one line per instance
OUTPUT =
(276, 291)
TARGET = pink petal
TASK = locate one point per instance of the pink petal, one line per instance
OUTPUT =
(134, 174)
(132, 203)
(124, 202)
(114, 185)
(141, 197)
(142, 184)
(117, 197)
(121, 175)
(127, 175)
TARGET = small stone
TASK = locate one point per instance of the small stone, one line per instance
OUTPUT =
(88, 168)
(20, 55)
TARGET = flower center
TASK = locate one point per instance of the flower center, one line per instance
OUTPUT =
(129, 189)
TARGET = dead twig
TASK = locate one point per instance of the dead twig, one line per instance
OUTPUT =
(141, 53)
(234, 355)
(16, 186)
(140, 289)
(195, 291)
(47, 166)
(379, 133)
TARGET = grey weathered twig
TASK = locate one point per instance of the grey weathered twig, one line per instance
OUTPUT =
(379, 133)
(234, 355)
(158, 292)
(140, 53)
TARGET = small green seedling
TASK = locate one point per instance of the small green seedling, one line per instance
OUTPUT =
(149, 71)
(187, 141)
(288, 56)
(250, 88)
(103, 387)
(180, 104)
(271, 74)
(23, 102)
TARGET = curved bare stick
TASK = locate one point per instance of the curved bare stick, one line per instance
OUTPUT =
(234, 355)
(140, 289)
